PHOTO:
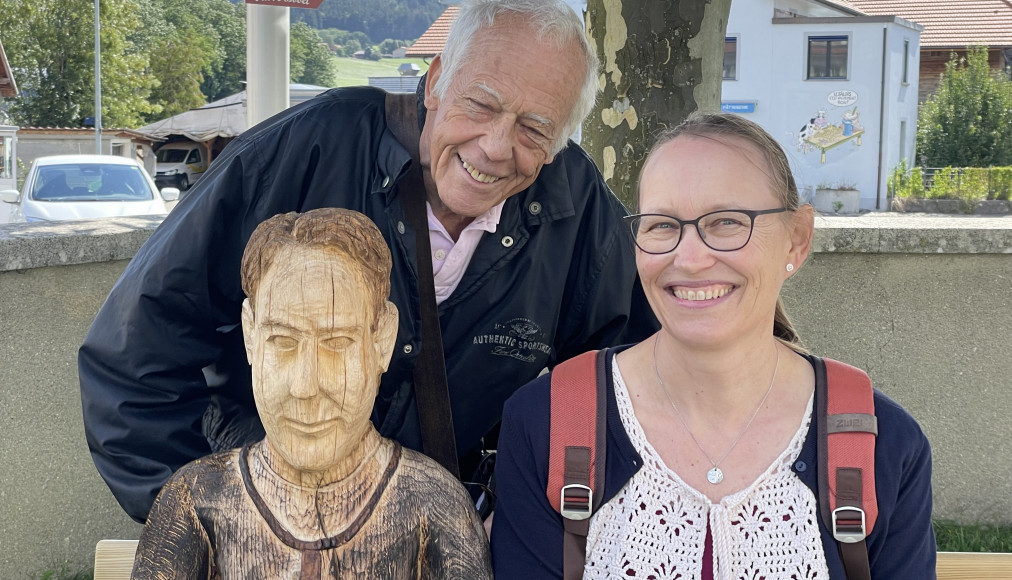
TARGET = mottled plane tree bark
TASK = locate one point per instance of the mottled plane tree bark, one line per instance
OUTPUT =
(660, 61)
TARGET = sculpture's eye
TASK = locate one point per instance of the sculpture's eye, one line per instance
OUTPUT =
(282, 342)
(337, 343)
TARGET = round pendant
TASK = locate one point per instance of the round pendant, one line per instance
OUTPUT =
(715, 476)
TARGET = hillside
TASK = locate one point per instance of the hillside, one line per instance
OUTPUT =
(378, 19)
(354, 71)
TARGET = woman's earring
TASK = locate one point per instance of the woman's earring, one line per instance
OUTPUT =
(790, 267)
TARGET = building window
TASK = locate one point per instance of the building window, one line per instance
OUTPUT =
(117, 149)
(906, 60)
(730, 58)
(827, 57)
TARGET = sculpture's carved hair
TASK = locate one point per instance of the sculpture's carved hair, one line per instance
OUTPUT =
(343, 231)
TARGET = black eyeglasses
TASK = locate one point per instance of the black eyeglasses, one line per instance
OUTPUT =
(725, 230)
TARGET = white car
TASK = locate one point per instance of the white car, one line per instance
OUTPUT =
(179, 164)
(70, 187)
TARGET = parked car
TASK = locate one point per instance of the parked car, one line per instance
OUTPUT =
(68, 187)
(179, 164)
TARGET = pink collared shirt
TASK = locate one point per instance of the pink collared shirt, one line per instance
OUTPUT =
(449, 258)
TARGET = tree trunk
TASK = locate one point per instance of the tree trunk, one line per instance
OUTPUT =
(660, 61)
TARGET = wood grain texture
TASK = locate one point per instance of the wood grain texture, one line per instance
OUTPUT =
(205, 524)
(974, 566)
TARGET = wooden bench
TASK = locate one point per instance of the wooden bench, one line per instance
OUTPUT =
(972, 566)
(115, 558)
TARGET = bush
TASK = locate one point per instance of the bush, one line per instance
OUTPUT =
(971, 184)
(968, 121)
(1001, 183)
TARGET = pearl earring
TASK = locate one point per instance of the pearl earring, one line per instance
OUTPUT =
(790, 267)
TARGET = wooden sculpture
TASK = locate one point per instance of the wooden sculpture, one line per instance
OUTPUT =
(323, 495)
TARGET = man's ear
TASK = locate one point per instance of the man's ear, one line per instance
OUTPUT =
(248, 320)
(431, 76)
(386, 334)
(802, 232)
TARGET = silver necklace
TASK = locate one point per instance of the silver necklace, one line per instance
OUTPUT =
(714, 475)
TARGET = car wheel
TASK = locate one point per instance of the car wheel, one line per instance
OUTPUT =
(184, 183)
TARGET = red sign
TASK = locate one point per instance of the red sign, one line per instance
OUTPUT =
(311, 4)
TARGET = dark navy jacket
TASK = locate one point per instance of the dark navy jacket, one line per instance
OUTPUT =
(557, 278)
(527, 532)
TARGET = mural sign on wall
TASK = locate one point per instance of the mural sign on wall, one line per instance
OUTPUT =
(831, 128)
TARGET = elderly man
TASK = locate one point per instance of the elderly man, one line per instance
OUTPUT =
(323, 495)
(532, 264)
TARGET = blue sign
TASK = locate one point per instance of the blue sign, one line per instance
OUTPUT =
(737, 106)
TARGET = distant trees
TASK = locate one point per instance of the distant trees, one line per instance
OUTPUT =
(50, 47)
(968, 121)
(311, 61)
(376, 18)
(159, 58)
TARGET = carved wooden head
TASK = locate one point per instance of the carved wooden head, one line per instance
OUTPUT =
(319, 331)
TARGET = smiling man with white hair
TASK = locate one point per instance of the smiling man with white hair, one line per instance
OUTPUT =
(531, 262)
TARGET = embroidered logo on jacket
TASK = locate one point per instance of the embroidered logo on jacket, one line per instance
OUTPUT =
(519, 338)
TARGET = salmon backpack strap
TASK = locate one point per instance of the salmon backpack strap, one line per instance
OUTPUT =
(846, 447)
(576, 451)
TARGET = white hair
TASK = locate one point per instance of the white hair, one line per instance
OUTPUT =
(553, 21)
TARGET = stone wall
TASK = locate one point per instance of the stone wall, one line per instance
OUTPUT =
(923, 303)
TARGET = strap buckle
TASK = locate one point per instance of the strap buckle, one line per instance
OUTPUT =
(849, 524)
(576, 501)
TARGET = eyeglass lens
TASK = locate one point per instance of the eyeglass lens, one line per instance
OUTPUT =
(720, 230)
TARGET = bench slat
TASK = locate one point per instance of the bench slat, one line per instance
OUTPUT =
(973, 566)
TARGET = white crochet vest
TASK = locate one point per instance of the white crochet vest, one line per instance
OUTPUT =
(655, 528)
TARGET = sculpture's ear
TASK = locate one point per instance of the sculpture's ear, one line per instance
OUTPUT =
(247, 329)
(386, 334)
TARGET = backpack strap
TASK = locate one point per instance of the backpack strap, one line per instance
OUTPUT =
(846, 450)
(576, 456)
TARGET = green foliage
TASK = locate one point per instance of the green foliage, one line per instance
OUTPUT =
(968, 121)
(953, 537)
(971, 184)
(1001, 183)
(389, 45)
(127, 82)
(64, 573)
(376, 18)
(311, 62)
(51, 48)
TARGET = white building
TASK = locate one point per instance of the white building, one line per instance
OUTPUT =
(837, 88)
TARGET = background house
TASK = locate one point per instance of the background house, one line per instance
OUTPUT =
(215, 124)
(952, 27)
(8, 134)
(836, 88)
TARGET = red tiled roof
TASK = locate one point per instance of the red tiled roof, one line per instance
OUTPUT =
(431, 43)
(845, 4)
(8, 88)
(951, 23)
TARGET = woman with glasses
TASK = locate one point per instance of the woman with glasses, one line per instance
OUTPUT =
(711, 441)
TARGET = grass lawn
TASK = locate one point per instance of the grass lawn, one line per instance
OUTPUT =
(355, 72)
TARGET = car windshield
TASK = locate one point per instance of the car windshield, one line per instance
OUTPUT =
(170, 155)
(91, 182)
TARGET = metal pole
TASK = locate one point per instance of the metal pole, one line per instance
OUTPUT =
(267, 66)
(98, 86)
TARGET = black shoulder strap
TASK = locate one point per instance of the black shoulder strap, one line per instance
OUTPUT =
(432, 393)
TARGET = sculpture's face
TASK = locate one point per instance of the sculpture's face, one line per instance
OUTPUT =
(317, 351)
